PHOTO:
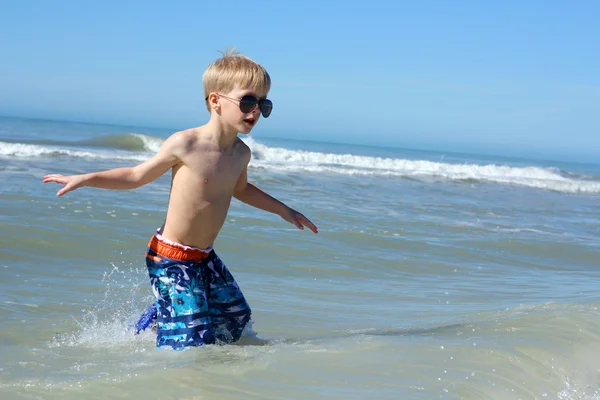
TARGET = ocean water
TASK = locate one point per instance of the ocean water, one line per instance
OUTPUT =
(434, 276)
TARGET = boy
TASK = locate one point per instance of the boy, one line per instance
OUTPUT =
(197, 300)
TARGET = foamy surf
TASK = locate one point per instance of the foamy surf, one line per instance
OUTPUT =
(137, 147)
(21, 150)
(314, 162)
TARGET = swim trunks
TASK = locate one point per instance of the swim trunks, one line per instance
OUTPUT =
(197, 300)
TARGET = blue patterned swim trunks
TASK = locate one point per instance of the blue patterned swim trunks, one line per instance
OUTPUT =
(197, 300)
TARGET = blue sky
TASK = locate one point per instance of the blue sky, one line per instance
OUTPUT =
(513, 77)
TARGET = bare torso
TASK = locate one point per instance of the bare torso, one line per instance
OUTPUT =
(201, 189)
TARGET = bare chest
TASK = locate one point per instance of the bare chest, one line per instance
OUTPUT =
(211, 171)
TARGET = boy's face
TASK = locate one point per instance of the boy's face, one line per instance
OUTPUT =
(241, 121)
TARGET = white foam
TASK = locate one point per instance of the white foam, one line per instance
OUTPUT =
(151, 143)
(20, 150)
(30, 305)
(297, 160)
(286, 160)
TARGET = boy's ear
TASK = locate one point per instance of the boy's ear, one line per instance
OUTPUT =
(213, 100)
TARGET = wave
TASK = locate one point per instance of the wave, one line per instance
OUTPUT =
(22, 150)
(129, 146)
(128, 141)
(424, 170)
(138, 147)
(125, 141)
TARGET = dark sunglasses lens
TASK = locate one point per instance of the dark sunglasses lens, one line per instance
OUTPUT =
(266, 106)
(247, 103)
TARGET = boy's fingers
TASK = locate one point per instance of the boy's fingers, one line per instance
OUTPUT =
(54, 178)
(55, 181)
(309, 224)
(57, 178)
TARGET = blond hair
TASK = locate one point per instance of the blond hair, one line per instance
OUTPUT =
(234, 69)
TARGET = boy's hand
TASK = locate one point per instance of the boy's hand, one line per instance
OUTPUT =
(294, 217)
(71, 182)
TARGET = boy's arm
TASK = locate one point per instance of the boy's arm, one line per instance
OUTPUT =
(251, 195)
(124, 178)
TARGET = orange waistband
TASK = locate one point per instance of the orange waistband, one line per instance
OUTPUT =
(175, 252)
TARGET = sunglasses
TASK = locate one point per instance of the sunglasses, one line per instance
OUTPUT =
(248, 103)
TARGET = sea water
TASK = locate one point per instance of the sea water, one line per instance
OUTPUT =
(434, 275)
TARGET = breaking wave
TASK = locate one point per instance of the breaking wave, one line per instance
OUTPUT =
(138, 147)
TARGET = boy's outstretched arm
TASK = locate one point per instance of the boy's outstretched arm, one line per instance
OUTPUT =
(251, 195)
(124, 178)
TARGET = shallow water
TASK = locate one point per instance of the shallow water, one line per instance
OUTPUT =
(433, 275)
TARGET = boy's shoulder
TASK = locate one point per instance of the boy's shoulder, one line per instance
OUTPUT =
(187, 134)
(182, 136)
(242, 146)
(243, 149)
(186, 139)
